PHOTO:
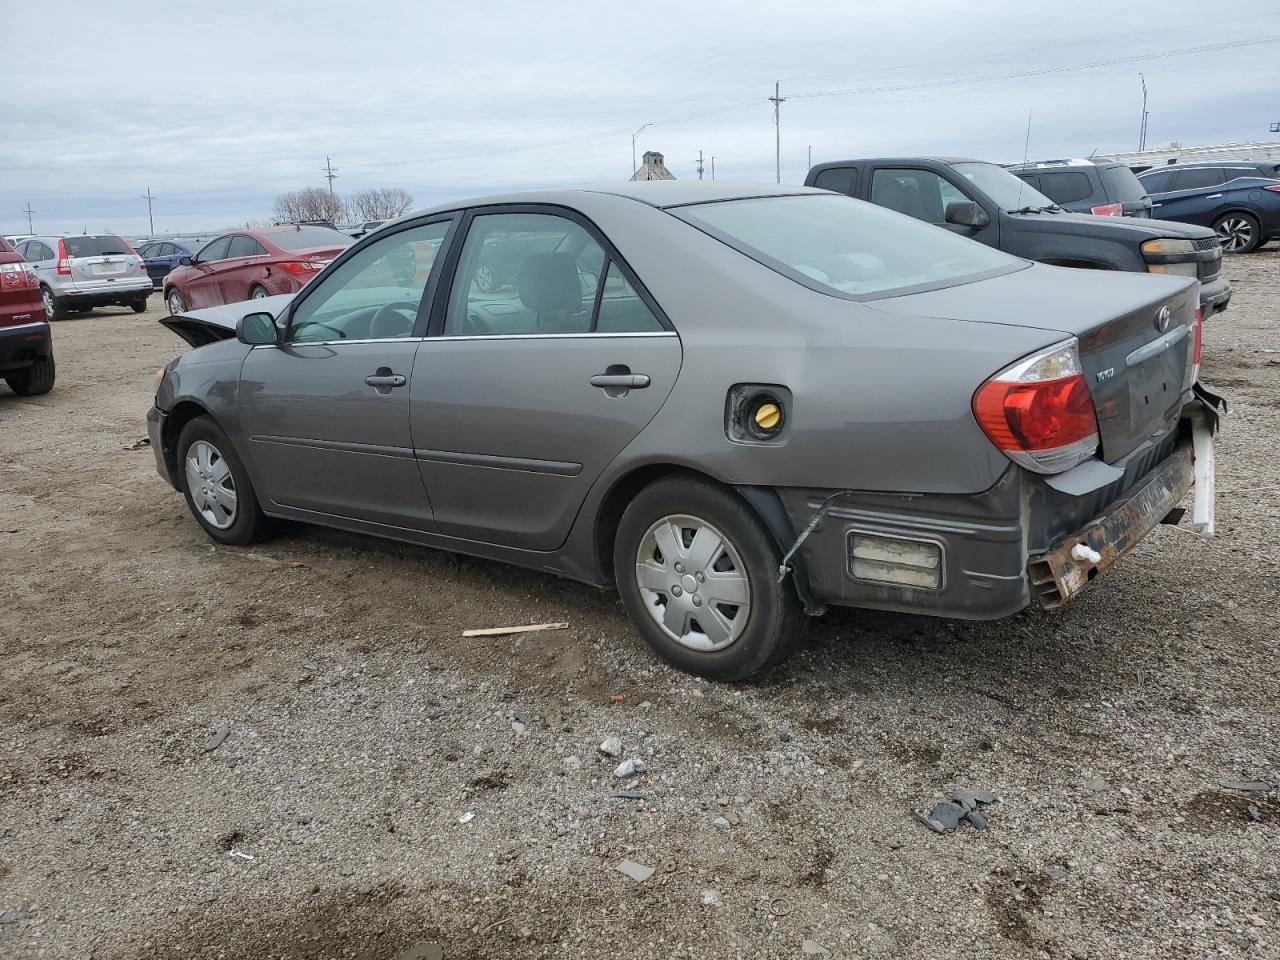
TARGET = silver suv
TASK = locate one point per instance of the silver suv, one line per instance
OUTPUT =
(80, 273)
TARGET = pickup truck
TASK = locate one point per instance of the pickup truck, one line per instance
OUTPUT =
(988, 203)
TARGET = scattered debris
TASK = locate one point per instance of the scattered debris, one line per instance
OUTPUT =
(1254, 814)
(422, 950)
(711, 898)
(503, 631)
(467, 817)
(947, 815)
(780, 907)
(296, 565)
(617, 697)
(612, 747)
(669, 867)
(240, 854)
(628, 795)
(629, 768)
(310, 667)
(636, 871)
(138, 444)
(1247, 786)
(217, 738)
(571, 763)
(11, 916)
(1055, 872)
(1095, 785)
(812, 948)
(720, 823)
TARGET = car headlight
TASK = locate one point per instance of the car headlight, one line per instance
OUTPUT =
(1171, 255)
(1168, 245)
(160, 375)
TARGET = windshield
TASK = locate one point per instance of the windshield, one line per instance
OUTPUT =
(95, 246)
(1122, 184)
(308, 238)
(844, 246)
(1003, 187)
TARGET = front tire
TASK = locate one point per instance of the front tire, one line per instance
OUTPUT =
(1239, 232)
(55, 308)
(33, 380)
(173, 300)
(698, 574)
(217, 487)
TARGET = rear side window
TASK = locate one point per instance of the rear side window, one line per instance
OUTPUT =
(242, 246)
(1066, 186)
(1195, 179)
(1030, 179)
(839, 179)
(104, 246)
(1121, 184)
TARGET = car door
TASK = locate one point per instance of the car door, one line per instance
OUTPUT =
(924, 194)
(527, 390)
(326, 411)
(200, 289)
(1191, 196)
(41, 258)
(235, 274)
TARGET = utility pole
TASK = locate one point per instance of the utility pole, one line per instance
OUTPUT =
(777, 100)
(28, 211)
(699, 164)
(713, 168)
(1142, 129)
(639, 130)
(811, 156)
(330, 174)
(148, 197)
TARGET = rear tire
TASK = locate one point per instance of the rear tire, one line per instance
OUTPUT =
(33, 380)
(699, 597)
(257, 292)
(208, 473)
(1239, 232)
(139, 306)
(54, 307)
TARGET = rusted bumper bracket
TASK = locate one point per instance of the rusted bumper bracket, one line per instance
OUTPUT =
(1060, 573)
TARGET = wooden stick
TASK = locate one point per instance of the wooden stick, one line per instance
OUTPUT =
(500, 631)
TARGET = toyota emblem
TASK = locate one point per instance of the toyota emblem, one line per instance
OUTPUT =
(1162, 319)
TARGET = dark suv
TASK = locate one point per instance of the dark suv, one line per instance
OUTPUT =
(1239, 199)
(1105, 188)
(988, 203)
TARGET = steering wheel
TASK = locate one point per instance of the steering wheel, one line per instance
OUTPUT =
(399, 307)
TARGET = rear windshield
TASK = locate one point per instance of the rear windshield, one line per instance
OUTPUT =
(309, 238)
(1122, 184)
(844, 246)
(95, 246)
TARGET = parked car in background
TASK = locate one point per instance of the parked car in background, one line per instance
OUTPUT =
(163, 256)
(80, 273)
(1105, 188)
(358, 230)
(989, 204)
(776, 399)
(26, 348)
(252, 264)
(1240, 200)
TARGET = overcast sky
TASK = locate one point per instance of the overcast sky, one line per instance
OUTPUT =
(219, 108)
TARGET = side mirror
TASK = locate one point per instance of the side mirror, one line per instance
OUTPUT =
(256, 329)
(185, 261)
(966, 213)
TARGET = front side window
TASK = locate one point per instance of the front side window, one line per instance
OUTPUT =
(1008, 192)
(242, 246)
(376, 294)
(843, 246)
(216, 250)
(1156, 182)
(525, 274)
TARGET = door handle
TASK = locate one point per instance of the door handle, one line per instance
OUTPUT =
(1214, 196)
(386, 380)
(626, 381)
(1154, 205)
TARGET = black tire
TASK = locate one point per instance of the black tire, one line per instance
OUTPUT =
(249, 523)
(1236, 225)
(55, 307)
(257, 291)
(33, 380)
(775, 617)
(139, 306)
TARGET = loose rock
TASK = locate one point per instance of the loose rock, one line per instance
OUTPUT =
(612, 747)
(636, 871)
(629, 768)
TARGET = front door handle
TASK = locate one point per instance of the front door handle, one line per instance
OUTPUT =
(624, 381)
(1214, 196)
(385, 379)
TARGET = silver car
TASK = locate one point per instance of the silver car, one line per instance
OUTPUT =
(736, 403)
(80, 273)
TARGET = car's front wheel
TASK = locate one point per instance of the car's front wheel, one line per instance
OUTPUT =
(698, 574)
(173, 299)
(217, 485)
(257, 292)
(1239, 232)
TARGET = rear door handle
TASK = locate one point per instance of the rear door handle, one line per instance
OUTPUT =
(627, 381)
(386, 380)
(1214, 196)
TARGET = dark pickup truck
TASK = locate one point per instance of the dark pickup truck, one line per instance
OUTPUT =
(991, 205)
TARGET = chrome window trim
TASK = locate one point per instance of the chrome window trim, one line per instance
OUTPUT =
(493, 336)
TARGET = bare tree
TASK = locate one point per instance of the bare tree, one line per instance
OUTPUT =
(383, 203)
(313, 203)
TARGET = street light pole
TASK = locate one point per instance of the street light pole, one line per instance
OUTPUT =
(777, 100)
(639, 130)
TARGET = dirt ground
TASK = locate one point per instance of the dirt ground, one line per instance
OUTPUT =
(387, 785)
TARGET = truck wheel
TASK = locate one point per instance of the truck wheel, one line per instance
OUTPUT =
(698, 574)
(55, 308)
(217, 486)
(1239, 232)
(32, 380)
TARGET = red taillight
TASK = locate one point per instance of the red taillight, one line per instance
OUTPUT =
(300, 268)
(1039, 412)
(64, 262)
(1274, 188)
(1108, 210)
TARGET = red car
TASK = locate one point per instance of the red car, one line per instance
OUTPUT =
(26, 349)
(251, 264)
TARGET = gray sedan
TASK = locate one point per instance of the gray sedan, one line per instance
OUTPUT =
(736, 403)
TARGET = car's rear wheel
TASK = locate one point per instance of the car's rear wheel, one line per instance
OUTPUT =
(139, 306)
(1239, 232)
(216, 485)
(257, 292)
(55, 308)
(32, 380)
(173, 300)
(485, 278)
(697, 572)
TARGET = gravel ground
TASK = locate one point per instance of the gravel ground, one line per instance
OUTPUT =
(386, 783)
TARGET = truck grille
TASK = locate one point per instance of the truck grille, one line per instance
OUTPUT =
(1208, 270)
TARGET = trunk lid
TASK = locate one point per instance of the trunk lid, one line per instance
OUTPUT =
(1137, 370)
(97, 258)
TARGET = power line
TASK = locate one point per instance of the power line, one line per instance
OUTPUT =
(329, 173)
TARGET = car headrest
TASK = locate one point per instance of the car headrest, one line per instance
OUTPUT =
(548, 282)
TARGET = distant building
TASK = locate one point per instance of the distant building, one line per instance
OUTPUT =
(1177, 153)
(652, 168)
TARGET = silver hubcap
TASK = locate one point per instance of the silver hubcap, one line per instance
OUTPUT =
(258, 293)
(693, 583)
(213, 489)
(175, 302)
(484, 279)
(1236, 233)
